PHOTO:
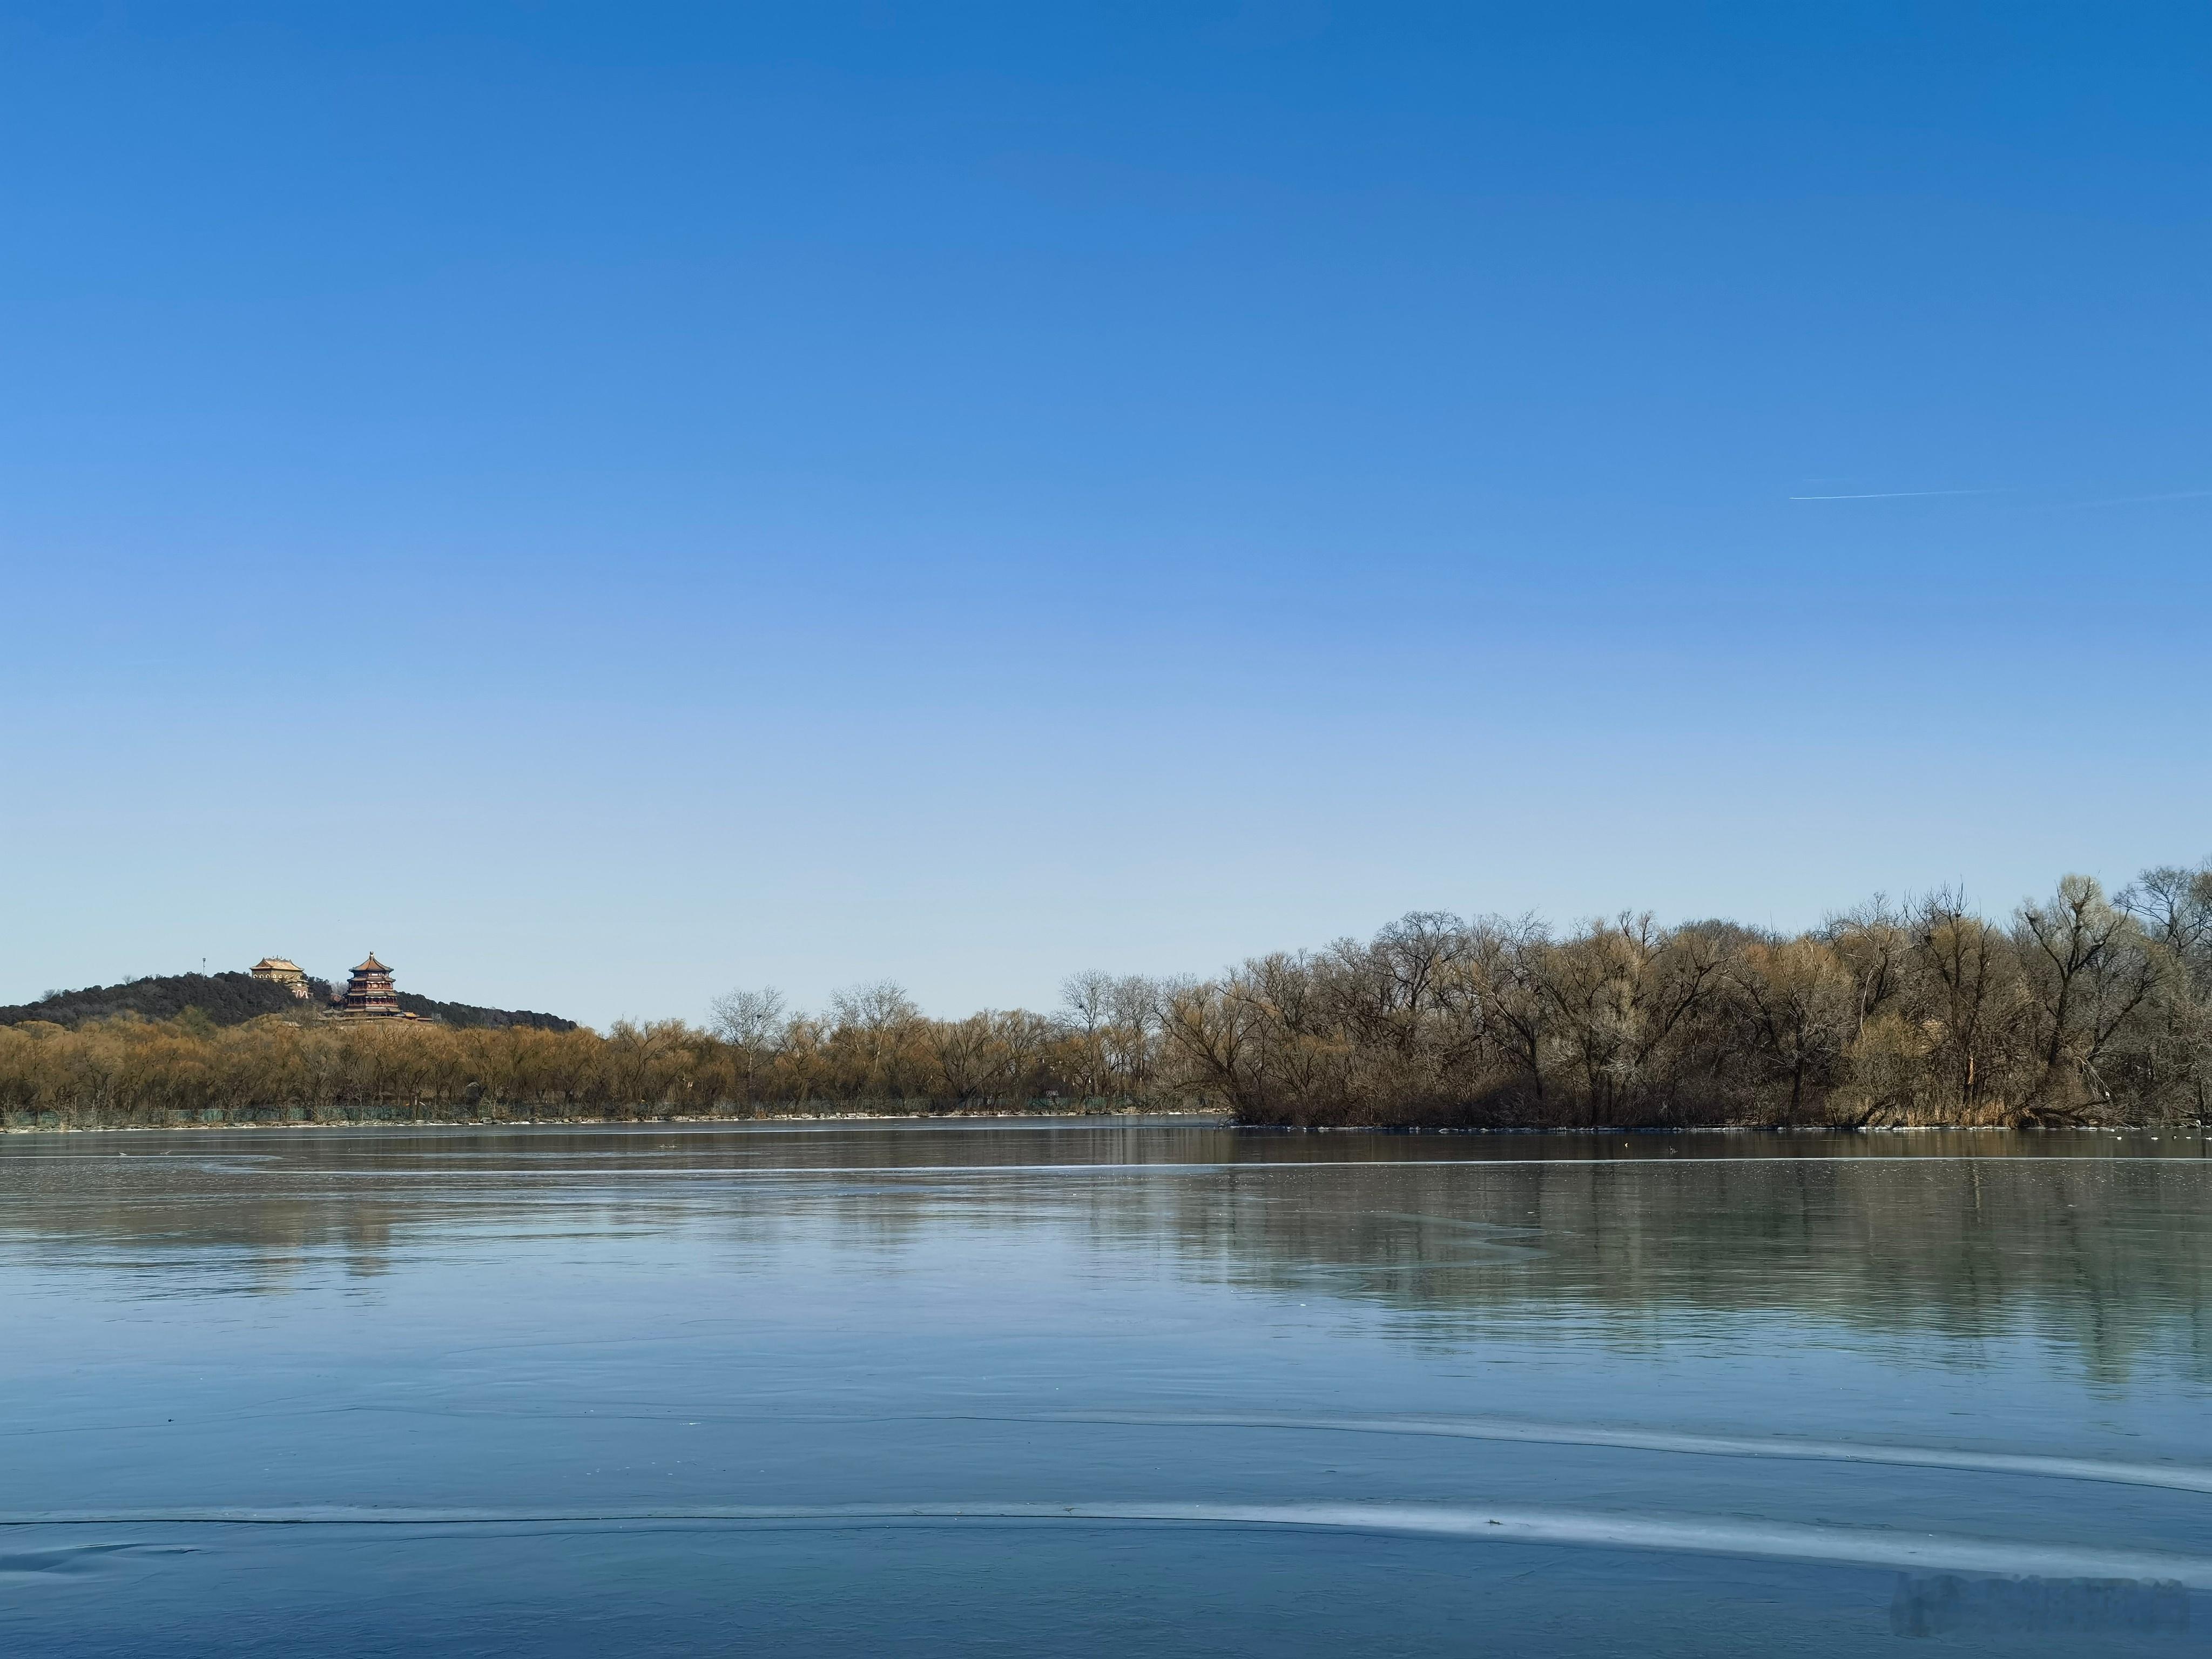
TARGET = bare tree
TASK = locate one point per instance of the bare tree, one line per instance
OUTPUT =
(2089, 970)
(1874, 942)
(1088, 997)
(969, 1053)
(1518, 1012)
(2174, 906)
(1973, 996)
(1801, 1005)
(877, 1006)
(753, 1020)
(877, 1025)
(1133, 1033)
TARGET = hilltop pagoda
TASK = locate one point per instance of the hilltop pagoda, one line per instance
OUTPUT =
(368, 994)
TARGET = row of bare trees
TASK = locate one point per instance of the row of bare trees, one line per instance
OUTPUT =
(2076, 1009)
(872, 1051)
(2079, 1009)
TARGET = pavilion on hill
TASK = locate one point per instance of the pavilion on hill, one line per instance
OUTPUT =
(281, 970)
(368, 994)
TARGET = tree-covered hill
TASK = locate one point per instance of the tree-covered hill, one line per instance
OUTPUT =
(463, 1013)
(229, 998)
(232, 999)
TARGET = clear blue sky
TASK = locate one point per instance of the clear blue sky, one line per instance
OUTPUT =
(601, 504)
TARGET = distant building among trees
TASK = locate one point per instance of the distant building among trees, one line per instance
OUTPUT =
(276, 970)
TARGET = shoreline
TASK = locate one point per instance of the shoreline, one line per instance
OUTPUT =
(688, 1119)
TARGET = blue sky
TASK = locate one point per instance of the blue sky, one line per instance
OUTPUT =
(603, 504)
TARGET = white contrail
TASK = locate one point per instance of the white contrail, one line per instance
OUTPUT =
(1894, 494)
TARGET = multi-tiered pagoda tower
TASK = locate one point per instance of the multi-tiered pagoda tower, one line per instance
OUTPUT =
(368, 994)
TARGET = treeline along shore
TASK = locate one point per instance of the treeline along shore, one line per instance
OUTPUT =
(2080, 1009)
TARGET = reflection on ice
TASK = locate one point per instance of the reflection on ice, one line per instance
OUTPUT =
(2096, 1242)
(1946, 1603)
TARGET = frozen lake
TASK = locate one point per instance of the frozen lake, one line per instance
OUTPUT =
(1103, 1387)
